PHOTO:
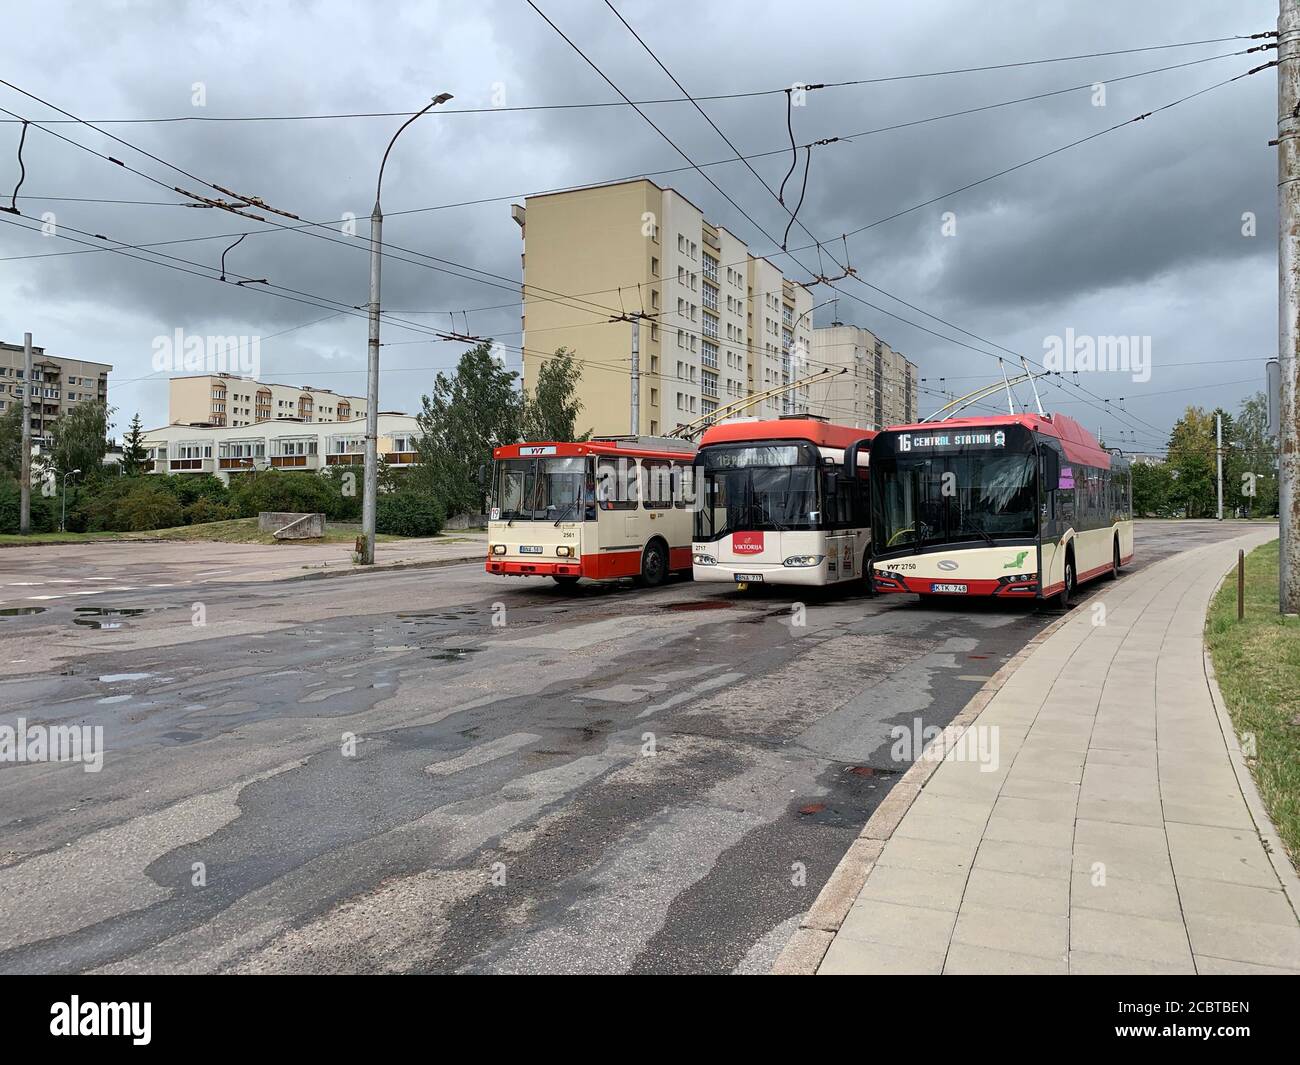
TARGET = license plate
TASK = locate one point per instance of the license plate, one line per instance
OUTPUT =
(747, 578)
(958, 588)
(530, 550)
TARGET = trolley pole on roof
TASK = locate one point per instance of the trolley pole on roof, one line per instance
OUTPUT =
(1288, 265)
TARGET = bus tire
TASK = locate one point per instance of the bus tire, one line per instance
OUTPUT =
(1066, 595)
(867, 574)
(654, 564)
(1114, 566)
(564, 580)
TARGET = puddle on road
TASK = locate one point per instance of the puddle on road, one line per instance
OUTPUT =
(698, 604)
(106, 617)
(21, 611)
(114, 678)
(455, 654)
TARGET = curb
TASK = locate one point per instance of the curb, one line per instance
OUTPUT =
(803, 953)
(1272, 842)
(435, 563)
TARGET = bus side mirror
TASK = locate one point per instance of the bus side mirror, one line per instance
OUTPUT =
(482, 476)
(851, 459)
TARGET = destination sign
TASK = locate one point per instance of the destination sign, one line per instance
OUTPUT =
(962, 438)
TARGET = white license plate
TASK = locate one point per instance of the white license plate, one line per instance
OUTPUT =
(747, 578)
(530, 550)
(957, 588)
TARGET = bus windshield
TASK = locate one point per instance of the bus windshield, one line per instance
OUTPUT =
(949, 495)
(536, 489)
(770, 487)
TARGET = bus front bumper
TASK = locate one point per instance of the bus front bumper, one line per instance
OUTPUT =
(1022, 586)
(518, 568)
(760, 573)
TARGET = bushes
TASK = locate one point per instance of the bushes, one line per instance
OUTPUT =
(205, 509)
(44, 515)
(273, 490)
(131, 504)
(408, 513)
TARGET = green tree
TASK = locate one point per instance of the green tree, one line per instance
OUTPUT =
(1253, 460)
(1191, 463)
(11, 441)
(469, 413)
(1152, 489)
(134, 457)
(79, 439)
(551, 412)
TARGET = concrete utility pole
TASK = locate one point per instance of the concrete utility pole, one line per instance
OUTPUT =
(1288, 265)
(1218, 457)
(370, 489)
(636, 377)
(25, 488)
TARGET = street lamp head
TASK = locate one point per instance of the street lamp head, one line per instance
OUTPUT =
(442, 98)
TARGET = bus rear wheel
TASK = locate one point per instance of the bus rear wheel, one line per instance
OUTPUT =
(654, 565)
(867, 575)
(564, 580)
(1114, 566)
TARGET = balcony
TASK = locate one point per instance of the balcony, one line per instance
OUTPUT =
(190, 465)
(349, 459)
(236, 464)
(300, 462)
(400, 458)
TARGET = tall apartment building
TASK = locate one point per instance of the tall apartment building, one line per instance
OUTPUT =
(229, 400)
(58, 384)
(720, 324)
(880, 388)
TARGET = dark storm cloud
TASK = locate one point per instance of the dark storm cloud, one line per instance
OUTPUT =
(1136, 232)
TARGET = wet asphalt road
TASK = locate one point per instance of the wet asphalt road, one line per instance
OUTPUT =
(439, 770)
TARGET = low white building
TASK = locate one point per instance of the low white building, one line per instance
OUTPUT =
(283, 444)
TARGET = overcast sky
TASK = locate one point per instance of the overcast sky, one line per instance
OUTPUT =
(1138, 232)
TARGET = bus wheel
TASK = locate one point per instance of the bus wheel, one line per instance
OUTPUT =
(1067, 593)
(867, 574)
(1114, 566)
(564, 580)
(654, 565)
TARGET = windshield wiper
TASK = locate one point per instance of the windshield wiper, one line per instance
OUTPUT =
(568, 507)
(921, 532)
(980, 529)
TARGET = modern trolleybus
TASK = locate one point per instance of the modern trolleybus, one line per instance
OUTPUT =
(1019, 505)
(600, 509)
(777, 503)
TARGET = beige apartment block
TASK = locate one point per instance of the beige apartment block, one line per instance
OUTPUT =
(229, 400)
(635, 248)
(880, 388)
(277, 444)
(59, 384)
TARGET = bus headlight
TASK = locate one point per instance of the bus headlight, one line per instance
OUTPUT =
(564, 551)
(498, 549)
(803, 560)
(701, 559)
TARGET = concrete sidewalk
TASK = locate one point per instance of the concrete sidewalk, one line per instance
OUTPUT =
(1118, 833)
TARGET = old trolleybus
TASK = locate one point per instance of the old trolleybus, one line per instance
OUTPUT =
(1018, 505)
(600, 509)
(778, 504)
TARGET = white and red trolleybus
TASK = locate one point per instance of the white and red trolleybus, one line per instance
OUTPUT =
(600, 509)
(778, 504)
(1017, 505)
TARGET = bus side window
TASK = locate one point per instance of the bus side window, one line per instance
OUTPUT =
(685, 484)
(616, 484)
(657, 480)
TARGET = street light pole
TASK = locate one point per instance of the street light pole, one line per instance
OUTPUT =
(371, 478)
(63, 511)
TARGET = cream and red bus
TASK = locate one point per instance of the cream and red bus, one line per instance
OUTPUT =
(600, 509)
(1021, 506)
(777, 503)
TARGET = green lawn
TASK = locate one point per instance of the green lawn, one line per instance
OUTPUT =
(1258, 665)
(237, 531)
